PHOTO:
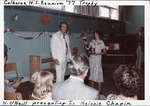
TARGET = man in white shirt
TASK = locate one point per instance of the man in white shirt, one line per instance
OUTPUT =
(61, 50)
(74, 87)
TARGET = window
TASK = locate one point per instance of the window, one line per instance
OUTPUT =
(115, 14)
(109, 11)
(69, 8)
(104, 12)
(57, 7)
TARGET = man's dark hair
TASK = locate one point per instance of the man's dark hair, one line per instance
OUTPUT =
(63, 22)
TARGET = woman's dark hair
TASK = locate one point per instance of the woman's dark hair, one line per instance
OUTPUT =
(26, 89)
(98, 32)
(127, 80)
(63, 22)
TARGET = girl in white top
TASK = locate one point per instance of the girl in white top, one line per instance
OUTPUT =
(43, 84)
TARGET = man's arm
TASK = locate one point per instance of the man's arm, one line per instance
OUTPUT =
(54, 49)
(69, 50)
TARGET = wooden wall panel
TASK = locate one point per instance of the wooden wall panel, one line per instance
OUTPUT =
(35, 64)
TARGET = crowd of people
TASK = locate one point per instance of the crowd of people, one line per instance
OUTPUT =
(126, 78)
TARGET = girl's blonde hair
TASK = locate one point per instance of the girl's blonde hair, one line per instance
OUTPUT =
(43, 81)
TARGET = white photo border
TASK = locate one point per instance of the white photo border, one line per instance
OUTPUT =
(146, 4)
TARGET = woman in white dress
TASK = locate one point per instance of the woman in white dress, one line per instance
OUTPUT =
(98, 49)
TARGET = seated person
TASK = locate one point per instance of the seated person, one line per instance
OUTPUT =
(74, 87)
(43, 82)
(127, 82)
(8, 87)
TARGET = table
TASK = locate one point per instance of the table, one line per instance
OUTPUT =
(118, 58)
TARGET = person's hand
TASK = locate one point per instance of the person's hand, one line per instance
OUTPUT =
(68, 61)
(15, 85)
(94, 54)
(57, 62)
(98, 54)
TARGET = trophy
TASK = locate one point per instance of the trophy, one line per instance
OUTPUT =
(93, 49)
(86, 46)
